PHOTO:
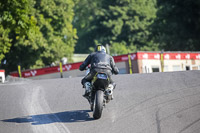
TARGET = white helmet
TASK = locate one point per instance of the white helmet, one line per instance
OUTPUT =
(100, 48)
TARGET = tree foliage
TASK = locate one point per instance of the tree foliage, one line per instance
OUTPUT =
(55, 20)
(177, 25)
(119, 22)
(14, 22)
(36, 32)
(138, 25)
(85, 16)
(4, 42)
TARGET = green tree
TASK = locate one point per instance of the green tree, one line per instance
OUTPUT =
(39, 32)
(83, 22)
(16, 24)
(55, 20)
(5, 42)
(121, 22)
(177, 25)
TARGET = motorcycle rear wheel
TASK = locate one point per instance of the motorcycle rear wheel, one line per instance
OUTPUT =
(98, 104)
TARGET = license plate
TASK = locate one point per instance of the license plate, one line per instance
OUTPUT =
(102, 76)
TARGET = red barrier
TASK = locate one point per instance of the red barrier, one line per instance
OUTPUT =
(169, 56)
(2, 71)
(2, 75)
(121, 58)
(47, 70)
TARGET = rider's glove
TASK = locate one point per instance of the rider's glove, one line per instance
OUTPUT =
(81, 69)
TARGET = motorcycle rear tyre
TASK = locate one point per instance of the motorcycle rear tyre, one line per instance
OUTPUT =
(98, 104)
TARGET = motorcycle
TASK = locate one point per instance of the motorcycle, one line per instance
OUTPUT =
(101, 93)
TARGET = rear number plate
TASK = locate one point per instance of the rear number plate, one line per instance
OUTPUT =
(102, 76)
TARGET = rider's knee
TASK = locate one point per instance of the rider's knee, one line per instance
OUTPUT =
(83, 81)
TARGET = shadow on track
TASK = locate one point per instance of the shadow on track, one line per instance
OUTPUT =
(65, 117)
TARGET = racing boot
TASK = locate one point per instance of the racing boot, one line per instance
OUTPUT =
(111, 87)
(114, 85)
(87, 87)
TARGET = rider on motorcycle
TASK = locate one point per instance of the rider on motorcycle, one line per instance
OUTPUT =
(100, 62)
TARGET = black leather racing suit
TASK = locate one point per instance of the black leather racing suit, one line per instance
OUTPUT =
(100, 62)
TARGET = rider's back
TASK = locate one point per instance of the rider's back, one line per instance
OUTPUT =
(100, 60)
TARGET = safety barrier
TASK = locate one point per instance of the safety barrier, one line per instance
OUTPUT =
(2, 75)
(122, 58)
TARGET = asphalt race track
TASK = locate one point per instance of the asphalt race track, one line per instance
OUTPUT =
(143, 103)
